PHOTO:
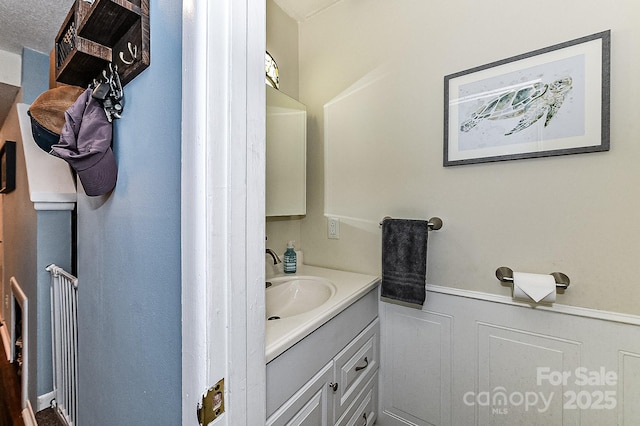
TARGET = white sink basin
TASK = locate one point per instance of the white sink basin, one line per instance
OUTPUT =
(291, 296)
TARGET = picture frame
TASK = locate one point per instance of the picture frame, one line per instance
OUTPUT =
(548, 102)
(7, 167)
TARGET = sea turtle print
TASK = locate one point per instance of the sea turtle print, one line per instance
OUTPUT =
(531, 102)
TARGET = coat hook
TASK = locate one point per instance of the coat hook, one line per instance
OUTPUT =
(133, 52)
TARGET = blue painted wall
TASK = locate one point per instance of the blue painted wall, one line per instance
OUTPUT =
(129, 252)
(35, 75)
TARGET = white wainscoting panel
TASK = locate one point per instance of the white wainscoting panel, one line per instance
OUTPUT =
(629, 388)
(468, 358)
(418, 355)
(508, 362)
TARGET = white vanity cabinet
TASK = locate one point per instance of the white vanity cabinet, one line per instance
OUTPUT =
(343, 390)
(286, 159)
(311, 405)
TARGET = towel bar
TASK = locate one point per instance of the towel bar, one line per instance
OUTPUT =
(434, 223)
(505, 274)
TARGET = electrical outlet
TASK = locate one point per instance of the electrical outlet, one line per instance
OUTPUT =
(333, 228)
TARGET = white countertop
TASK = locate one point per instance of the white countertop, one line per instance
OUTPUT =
(283, 333)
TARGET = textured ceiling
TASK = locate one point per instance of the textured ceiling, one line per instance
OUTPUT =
(31, 23)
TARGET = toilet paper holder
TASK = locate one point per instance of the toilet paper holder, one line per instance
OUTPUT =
(505, 274)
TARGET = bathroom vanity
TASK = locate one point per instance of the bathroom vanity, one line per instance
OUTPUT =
(323, 364)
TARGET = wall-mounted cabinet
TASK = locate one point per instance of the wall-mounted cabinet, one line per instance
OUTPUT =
(286, 180)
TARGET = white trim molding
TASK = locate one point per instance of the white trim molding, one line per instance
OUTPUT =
(18, 296)
(28, 416)
(555, 307)
(45, 400)
(223, 155)
(6, 339)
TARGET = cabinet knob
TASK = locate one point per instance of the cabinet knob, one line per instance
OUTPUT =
(333, 386)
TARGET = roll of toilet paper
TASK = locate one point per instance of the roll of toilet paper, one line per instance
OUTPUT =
(534, 287)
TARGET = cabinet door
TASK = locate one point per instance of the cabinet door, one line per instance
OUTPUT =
(286, 176)
(310, 406)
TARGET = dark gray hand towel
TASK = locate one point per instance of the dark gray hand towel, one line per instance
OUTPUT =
(404, 260)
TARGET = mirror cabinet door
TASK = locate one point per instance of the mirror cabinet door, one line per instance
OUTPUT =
(286, 179)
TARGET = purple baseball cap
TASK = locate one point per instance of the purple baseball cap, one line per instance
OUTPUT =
(85, 143)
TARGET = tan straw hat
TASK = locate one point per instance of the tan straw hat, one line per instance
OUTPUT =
(47, 114)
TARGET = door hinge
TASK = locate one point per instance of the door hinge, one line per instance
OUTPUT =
(212, 404)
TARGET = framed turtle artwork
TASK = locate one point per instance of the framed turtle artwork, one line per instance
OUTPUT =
(551, 101)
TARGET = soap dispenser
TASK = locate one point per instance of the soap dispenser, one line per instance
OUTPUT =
(290, 260)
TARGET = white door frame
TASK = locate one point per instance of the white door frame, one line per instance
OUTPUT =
(223, 158)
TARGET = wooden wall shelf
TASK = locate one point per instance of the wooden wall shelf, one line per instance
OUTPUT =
(108, 20)
(106, 31)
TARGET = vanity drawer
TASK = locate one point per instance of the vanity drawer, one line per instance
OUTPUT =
(362, 412)
(355, 365)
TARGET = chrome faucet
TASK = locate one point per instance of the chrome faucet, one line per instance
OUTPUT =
(276, 258)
